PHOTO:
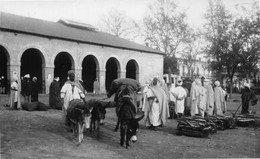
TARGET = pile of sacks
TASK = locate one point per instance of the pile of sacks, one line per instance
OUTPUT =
(247, 120)
(197, 126)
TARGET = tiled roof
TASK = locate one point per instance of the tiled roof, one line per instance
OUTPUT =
(58, 30)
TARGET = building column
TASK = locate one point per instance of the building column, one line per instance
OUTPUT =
(48, 76)
(102, 81)
(122, 73)
(78, 73)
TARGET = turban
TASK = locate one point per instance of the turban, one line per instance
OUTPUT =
(217, 83)
(70, 72)
(247, 85)
(27, 76)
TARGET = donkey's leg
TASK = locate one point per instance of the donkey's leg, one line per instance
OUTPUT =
(117, 125)
(122, 134)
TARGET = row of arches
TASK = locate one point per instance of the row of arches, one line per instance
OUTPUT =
(33, 62)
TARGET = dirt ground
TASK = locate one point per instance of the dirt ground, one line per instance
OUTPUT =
(41, 134)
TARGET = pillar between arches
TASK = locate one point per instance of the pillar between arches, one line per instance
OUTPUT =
(122, 73)
(102, 81)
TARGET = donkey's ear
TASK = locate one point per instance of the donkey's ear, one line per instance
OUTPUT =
(139, 118)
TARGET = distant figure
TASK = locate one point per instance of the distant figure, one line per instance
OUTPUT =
(180, 94)
(35, 90)
(219, 99)
(195, 97)
(15, 94)
(2, 85)
(26, 88)
(210, 97)
(96, 87)
(48, 83)
(54, 94)
(247, 95)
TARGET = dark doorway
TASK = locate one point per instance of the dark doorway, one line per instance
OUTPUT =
(89, 72)
(111, 71)
(3, 71)
(31, 63)
(131, 69)
(62, 64)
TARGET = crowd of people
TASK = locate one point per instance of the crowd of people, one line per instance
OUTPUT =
(158, 98)
(203, 98)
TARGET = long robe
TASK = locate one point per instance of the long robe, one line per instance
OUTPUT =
(210, 99)
(194, 99)
(68, 93)
(145, 105)
(15, 94)
(219, 101)
(159, 110)
(180, 94)
(54, 95)
(202, 101)
(96, 87)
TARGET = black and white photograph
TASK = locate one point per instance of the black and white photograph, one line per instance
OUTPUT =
(129, 79)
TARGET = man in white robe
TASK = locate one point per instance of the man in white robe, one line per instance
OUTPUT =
(157, 100)
(180, 94)
(71, 90)
(219, 99)
(210, 97)
(195, 97)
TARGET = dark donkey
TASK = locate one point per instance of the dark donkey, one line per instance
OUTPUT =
(126, 113)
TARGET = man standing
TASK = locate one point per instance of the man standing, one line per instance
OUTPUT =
(247, 95)
(158, 100)
(54, 94)
(71, 90)
(26, 88)
(209, 97)
(219, 99)
(35, 89)
(15, 94)
(195, 97)
(180, 94)
(96, 87)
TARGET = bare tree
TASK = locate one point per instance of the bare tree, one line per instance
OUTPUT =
(117, 23)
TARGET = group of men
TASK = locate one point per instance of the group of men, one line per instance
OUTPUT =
(28, 88)
(202, 99)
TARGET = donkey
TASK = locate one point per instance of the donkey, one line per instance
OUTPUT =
(126, 113)
(77, 113)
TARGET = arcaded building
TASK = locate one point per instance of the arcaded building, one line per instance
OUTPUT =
(45, 49)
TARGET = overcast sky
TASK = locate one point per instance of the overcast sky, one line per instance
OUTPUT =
(90, 11)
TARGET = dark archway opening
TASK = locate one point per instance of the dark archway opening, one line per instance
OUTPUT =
(31, 63)
(62, 64)
(3, 71)
(131, 69)
(111, 72)
(89, 73)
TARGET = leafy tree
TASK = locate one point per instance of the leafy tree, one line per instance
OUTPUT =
(216, 32)
(250, 36)
(164, 29)
(192, 48)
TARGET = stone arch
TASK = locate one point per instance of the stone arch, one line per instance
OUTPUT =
(132, 70)
(4, 70)
(90, 71)
(112, 71)
(62, 64)
(33, 63)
